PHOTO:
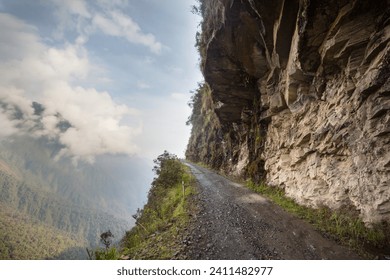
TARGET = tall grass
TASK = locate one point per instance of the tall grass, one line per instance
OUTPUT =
(161, 223)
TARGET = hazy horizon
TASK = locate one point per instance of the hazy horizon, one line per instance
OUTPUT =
(90, 93)
(119, 72)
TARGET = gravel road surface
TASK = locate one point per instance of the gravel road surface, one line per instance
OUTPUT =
(233, 222)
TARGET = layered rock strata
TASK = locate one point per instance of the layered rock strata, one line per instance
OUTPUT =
(298, 95)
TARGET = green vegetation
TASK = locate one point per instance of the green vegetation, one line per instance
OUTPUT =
(54, 210)
(74, 201)
(160, 224)
(343, 225)
(200, 43)
(24, 238)
(205, 143)
(199, 104)
(108, 252)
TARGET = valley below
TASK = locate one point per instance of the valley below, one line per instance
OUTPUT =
(55, 209)
(294, 101)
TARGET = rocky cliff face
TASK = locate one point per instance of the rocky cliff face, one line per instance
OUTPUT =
(297, 95)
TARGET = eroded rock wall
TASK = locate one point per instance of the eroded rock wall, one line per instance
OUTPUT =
(300, 98)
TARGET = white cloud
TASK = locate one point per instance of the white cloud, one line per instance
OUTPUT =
(15, 32)
(12, 95)
(111, 4)
(70, 14)
(106, 25)
(32, 71)
(117, 24)
(76, 7)
(7, 126)
(106, 16)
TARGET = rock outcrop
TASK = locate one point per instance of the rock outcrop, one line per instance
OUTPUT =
(298, 95)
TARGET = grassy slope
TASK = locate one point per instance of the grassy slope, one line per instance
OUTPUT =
(162, 223)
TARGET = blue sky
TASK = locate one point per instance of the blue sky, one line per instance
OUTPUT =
(119, 71)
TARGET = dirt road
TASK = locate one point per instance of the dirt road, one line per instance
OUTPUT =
(235, 223)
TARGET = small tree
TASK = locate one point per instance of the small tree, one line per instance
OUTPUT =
(107, 253)
(168, 169)
(106, 239)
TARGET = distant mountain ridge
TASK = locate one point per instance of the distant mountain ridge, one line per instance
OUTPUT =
(80, 198)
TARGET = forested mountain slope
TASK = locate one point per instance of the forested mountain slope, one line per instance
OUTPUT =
(77, 199)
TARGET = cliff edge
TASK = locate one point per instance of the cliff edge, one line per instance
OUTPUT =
(297, 94)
